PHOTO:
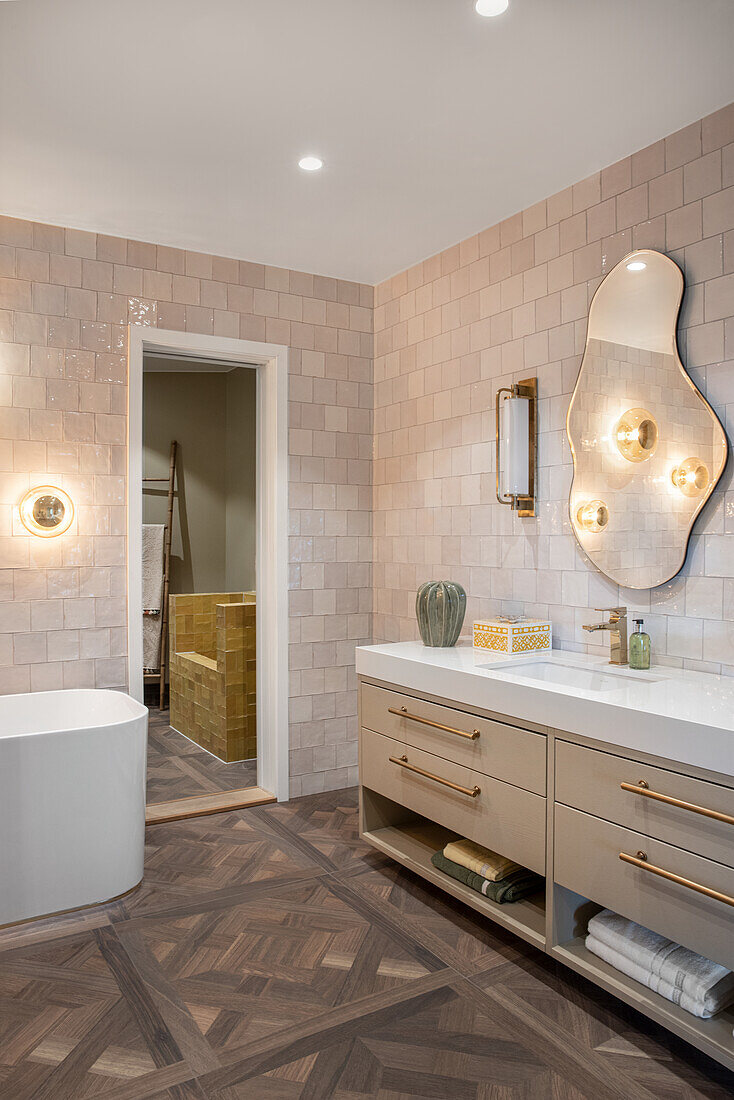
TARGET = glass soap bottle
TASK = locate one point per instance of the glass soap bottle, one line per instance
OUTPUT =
(639, 647)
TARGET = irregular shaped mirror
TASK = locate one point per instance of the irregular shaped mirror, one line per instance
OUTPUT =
(647, 447)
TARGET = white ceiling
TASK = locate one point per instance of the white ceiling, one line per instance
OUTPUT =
(181, 121)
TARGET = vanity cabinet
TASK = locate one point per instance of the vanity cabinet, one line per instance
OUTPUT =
(471, 803)
(587, 861)
(568, 807)
(510, 753)
(432, 771)
(691, 813)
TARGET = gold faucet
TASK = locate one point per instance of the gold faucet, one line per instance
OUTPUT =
(617, 627)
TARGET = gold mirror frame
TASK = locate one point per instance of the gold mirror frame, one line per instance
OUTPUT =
(647, 448)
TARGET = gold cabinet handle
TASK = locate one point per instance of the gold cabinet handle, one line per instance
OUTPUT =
(640, 860)
(402, 761)
(641, 787)
(403, 713)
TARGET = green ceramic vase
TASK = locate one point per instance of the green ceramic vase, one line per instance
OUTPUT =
(440, 607)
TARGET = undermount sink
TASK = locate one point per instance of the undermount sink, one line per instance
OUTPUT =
(566, 674)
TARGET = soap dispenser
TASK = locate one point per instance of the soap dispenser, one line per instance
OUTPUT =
(639, 647)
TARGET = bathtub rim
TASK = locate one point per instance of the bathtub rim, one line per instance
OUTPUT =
(138, 712)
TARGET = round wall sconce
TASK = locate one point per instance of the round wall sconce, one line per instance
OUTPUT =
(46, 511)
(691, 477)
(636, 435)
(593, 516)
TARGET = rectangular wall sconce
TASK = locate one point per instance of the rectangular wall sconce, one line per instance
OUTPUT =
(517, 426)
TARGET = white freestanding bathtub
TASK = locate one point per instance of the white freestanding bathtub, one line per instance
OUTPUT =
(72, 800)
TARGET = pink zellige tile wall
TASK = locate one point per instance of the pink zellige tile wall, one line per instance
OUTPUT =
(511, 302)
(66, 299)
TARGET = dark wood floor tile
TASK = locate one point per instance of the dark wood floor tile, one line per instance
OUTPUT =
(23, 1026)
(177, 768)
(215, 900)
(22, 1082)
(188, 859)
(84, 1050)
(327, 1068)
(327, 822)
(188, 1090)
(53, 928)
(161, 1043)
(570, 1061)
(151, 1086)
(271, 956)
(457, 935)
(253, 968)
(291, 839)
(667, 1068)
(172, 1011)
(72, 967)
(382, 917)
(302, 1042)
(442, 1043)
(68, 1077)
(627, 1044)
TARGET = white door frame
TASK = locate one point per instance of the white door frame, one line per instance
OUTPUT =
(271, 363)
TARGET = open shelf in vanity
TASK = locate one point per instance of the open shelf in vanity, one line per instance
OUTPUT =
(411, 840)
(713, 1035)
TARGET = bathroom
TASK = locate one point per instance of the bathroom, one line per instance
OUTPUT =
(449, 247)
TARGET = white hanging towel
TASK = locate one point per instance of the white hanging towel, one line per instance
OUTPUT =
(152, 594)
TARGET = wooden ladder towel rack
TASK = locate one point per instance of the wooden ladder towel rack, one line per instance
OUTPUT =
(171, 479)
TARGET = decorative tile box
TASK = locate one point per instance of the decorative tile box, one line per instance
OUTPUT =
(523, 636)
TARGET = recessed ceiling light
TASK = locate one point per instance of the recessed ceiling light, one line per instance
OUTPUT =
(636, 265)
(310, 164)
(491, 7)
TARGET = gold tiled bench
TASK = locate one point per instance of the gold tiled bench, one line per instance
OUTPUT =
(213, 671)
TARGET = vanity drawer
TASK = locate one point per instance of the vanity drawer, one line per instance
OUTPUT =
(502, 817)
(586, 853)
(509, 753)
(592, 781)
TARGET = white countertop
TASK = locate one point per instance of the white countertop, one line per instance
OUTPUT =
(686, 717)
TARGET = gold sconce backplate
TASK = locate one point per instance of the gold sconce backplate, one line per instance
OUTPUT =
(647, 448)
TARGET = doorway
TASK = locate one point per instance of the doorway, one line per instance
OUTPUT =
(199, 595)
(208, 426)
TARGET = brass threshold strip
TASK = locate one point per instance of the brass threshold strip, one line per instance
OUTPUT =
(201, 805)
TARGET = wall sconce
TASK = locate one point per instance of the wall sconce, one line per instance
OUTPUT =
(517, 418)
(593, 516)
(691, 477)
(636, 435)
(46, 511)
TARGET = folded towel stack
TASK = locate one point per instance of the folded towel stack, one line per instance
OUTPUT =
(481, 860)
(698, 985)
(498, 878)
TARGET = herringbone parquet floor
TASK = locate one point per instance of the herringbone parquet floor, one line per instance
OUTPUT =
(269, 955)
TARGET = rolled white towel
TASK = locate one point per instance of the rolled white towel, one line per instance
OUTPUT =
(697, 1007)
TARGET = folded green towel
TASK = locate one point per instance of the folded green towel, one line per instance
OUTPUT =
(514, 887)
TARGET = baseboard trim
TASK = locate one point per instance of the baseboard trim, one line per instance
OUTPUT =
(201, 805)
(74, 909)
